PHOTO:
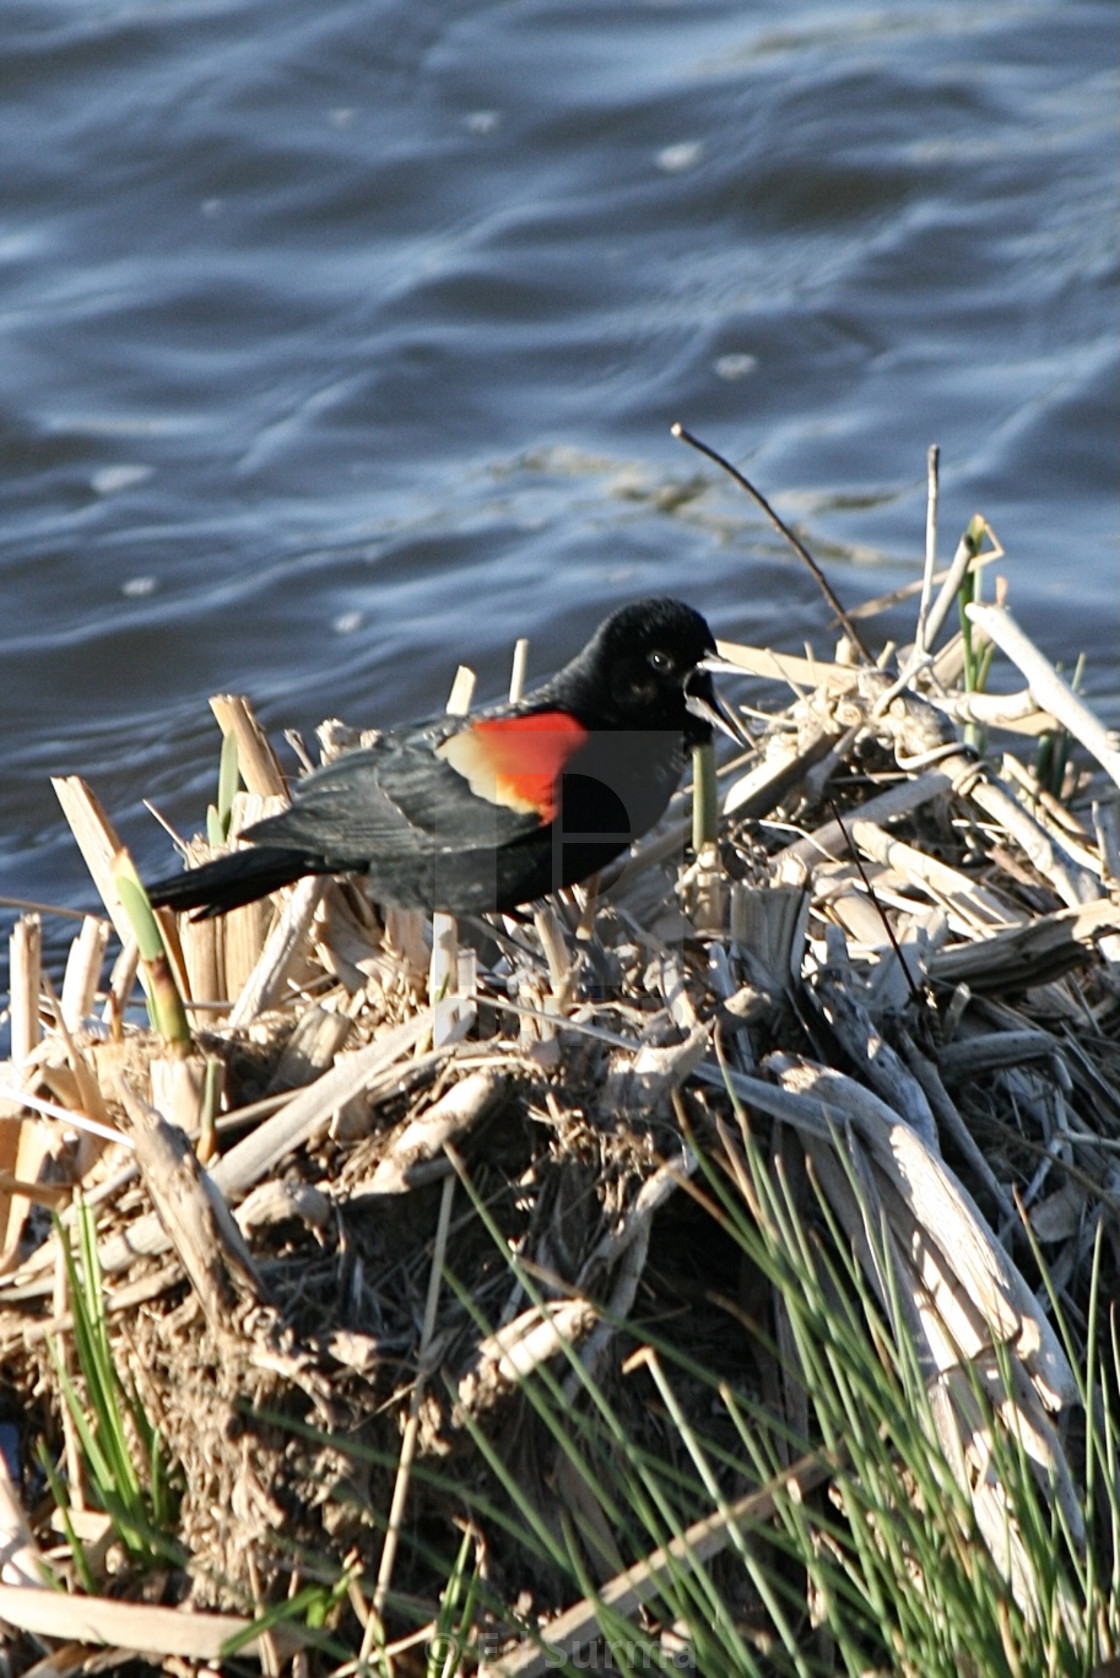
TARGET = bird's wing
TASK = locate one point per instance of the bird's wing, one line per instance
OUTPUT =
(445, 786)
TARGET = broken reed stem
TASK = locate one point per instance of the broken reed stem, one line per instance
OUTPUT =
(25, 948)
(257, 762)
(83, 970)
(518, 669)
(288, 936)
(443, 966)
(932, 463)
(462, 692)
(560, 969)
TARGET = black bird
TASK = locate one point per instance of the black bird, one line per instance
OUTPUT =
(499, 808)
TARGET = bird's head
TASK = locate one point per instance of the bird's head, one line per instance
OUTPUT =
(646, 668)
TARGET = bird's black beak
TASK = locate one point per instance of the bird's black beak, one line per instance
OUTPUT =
(711, 709)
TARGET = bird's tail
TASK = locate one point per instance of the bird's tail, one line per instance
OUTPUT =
(229, 881)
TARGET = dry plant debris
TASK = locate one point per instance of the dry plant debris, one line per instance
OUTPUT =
(341, 1215)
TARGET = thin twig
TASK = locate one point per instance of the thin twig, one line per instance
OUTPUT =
(412, 1426)
(780, 525)
(38, 908)
(853, 848)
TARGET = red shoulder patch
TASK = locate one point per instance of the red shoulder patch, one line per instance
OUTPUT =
(515, 761)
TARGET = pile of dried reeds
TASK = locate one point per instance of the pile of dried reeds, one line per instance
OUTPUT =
(369, 1180)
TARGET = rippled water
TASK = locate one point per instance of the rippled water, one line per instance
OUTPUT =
(341, 341)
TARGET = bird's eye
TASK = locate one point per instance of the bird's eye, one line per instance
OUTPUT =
(660, 661)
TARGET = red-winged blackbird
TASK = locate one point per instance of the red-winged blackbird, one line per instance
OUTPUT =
(493, 810)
